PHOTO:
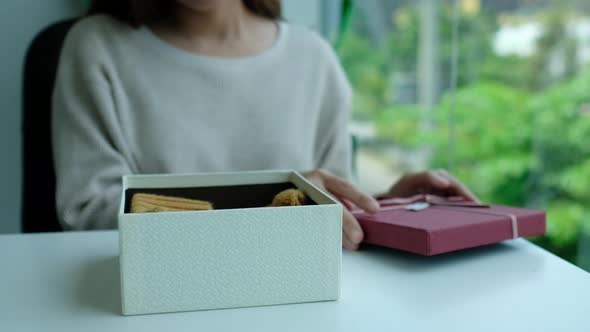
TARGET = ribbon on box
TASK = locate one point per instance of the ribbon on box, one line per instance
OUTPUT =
(422, 202)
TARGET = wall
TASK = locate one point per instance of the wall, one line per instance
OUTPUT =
(20, 21)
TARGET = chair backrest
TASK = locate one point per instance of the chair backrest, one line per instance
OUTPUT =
(38, 200)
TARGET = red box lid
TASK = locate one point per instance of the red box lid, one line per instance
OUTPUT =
(446, 224)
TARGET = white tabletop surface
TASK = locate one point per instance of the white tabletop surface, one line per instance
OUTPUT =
(70, 282)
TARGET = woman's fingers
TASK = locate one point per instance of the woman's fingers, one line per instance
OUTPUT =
(455, 186)
(346, 190)
(351, 228)
(443, 182)
(438, 179)
(462, 190)
(346, 243)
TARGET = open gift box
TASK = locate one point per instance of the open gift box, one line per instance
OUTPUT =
(242, 253)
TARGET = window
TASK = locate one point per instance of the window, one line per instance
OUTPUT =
(513, 123)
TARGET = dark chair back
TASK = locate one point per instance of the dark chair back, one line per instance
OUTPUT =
(38, 194)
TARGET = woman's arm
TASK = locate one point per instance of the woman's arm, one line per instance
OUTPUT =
(333, 150)
(87, 142)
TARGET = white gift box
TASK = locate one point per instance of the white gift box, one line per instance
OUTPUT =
(240, 254)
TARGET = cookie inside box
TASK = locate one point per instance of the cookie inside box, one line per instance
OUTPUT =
(222, 197)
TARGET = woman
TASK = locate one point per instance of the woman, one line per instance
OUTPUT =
(178, 86)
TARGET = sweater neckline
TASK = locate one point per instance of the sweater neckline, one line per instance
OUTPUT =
(169, 50)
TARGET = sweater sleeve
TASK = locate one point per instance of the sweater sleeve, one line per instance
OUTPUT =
(86, 137)
(334, 141)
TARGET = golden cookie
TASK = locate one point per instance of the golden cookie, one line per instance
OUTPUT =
(290, 197)
(144, 203)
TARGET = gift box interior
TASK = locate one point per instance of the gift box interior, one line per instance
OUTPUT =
(222, 197)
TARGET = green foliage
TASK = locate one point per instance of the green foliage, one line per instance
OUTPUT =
(573, 180)
(402, 125)
(567, 217)
(492, 141)
(520, 138)
(475, 44)
(520, 149)
(512, 70)
(563, 127)
(364, 67)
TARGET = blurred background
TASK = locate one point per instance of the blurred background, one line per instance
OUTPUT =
(513, 123)
(497, 91)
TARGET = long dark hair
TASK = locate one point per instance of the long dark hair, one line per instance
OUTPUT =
(140, 12)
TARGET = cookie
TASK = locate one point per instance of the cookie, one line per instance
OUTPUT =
(145, 203)
(290, 197)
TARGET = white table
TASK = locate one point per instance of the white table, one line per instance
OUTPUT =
(70, 282)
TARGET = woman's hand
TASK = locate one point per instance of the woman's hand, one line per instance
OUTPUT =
(437, 182)
(347, 193)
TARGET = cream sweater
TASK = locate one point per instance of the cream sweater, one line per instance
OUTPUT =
(127, 102)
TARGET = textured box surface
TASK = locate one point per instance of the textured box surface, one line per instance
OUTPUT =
(440, 229)
(180, 261)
